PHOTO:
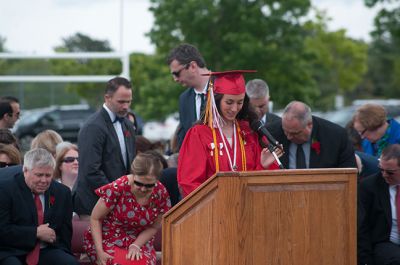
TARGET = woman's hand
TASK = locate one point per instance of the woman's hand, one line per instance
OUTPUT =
(267, 158)
(102, 258)
(134, 252)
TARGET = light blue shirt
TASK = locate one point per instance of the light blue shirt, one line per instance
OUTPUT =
(292, 153)
(394, 233)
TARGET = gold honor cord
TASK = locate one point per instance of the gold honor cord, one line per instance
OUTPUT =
(244, 162)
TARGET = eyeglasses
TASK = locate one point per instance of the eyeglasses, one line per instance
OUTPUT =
(4, 164)
(390, 172)
(362, 133)
(70, 159)
(140, 184)
(178, 73)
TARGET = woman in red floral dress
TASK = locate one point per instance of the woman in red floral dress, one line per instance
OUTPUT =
(128, 213)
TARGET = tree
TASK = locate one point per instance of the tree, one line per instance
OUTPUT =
(155, 93)
(79, 42)
(338, 62)
(83, 43)
(263, 35)
(2, 44)
(384, 52)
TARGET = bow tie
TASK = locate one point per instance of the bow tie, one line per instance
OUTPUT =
(120, 119)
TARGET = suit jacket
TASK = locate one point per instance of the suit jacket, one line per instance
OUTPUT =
(271, 118)
(187, 113)
(336, 150)
(18, 216)
(374, 216)
(100, 159)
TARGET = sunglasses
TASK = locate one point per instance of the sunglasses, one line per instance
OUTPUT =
(4, 164)
(178, 73)
(70, 159)
(140, 184)
(390, 172)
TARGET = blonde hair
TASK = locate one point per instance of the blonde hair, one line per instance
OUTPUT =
(13, 154)
(48, 140)
(62, 148)
(370, 116)
(146, 164)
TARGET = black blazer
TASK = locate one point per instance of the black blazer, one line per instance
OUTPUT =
(187, 113)
(374, 216)
(100, 159)
(336, 150)
(18, 217)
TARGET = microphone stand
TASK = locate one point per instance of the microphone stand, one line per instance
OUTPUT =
(271, 149)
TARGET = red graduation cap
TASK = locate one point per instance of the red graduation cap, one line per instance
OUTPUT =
(230, 82)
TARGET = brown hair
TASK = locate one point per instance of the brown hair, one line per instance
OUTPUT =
(13, 154)
(48, 140)
(370, 116)
(391, 152)
(62, 149)
(146, 164)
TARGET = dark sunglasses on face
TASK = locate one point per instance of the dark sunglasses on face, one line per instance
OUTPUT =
(69, 159)
(140, 184)
(390, 172)
(178, 73)
(4, 164)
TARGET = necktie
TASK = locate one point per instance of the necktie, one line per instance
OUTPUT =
(203, 102)
(300, 157)
(398, 207)
(33, 257)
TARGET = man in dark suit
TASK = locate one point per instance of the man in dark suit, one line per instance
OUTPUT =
(258, 92)
(35, 214)
(311, 142)
(188, 68)
(379, 212)
(106, 145)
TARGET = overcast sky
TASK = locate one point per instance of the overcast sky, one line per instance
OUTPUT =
(37, 26)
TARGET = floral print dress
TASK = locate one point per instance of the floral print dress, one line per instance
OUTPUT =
(127, 218)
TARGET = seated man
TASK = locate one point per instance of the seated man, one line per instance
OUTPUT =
(311, 142)
(379, 213)
(35, 214)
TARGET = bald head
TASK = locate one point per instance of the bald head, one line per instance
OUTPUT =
(299, 111)
(297, 122)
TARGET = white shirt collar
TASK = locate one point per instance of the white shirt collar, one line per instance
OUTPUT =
(110, 113)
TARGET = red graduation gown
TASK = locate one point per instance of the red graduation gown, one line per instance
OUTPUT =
(196, 161)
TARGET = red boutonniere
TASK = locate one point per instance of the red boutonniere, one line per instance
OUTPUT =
(52, 200)
(127, 133)
(316, 146)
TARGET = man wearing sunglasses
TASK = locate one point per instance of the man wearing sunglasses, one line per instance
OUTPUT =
(187, 68)
(379, 212)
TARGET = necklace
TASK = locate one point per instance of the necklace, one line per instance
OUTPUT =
(232, 165)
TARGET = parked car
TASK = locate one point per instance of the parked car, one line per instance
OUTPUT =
(344, 115)
(66, 120)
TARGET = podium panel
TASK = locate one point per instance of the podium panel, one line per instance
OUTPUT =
(266, 217)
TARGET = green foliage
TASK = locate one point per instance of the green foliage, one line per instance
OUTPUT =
(91, 92)
(338, 62)
(384, 51)
(155, 93)
(82, 43)
(2, 44)
(263, 35)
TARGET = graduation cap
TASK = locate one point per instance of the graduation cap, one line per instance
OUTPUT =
(229, 82)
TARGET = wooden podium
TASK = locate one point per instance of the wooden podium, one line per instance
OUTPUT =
(276, 217)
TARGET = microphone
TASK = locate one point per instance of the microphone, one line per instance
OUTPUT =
(258, 126)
